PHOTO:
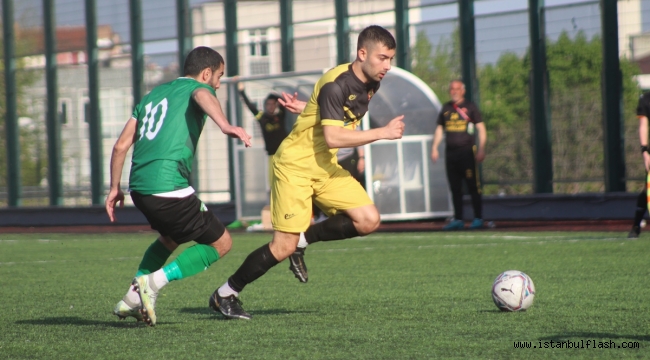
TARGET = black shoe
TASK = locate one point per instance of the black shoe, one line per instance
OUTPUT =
(634, 233)
(297, 264)
(229, 306)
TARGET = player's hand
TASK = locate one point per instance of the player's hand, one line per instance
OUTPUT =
(240, 85)
(480, 155)
(435, 155)
(114, 196)
(237, 132)
(291, 103)
(361, 165)
(394, 129)
(646, 161)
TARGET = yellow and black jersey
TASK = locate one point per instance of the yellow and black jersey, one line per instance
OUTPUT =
(272, 125)
(340, 98)
(458, 120)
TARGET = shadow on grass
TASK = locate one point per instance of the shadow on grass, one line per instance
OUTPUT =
(208, 311)
(594, 336)
(77, 321)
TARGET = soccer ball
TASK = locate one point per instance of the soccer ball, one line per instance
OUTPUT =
(513, 290)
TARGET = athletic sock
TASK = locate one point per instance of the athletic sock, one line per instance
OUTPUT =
(154, 258)
(158, 278)
(337, 227)
(256, 264)
(132, 299)
(190, 262)
(225, 290)
(302, 243)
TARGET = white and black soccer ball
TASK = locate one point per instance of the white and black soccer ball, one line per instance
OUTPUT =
(513, 290)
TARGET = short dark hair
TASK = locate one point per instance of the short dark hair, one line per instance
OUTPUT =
(272, 96)
(200, 58)
(376, 34)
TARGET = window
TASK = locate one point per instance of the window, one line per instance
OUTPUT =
(259, 61)
(259, 45)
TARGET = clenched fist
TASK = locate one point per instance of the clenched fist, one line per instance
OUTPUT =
(394, 129)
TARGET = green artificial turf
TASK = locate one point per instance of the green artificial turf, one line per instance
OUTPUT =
(385, 296)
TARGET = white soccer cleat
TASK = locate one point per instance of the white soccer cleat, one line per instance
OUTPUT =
(147, 298)
(122, 310)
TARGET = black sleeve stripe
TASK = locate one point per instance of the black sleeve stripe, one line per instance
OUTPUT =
(331, 101)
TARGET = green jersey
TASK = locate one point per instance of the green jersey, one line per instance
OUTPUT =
(168, 130)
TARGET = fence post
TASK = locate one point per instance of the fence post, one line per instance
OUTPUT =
(53, 124)
(342, 32)
(137, 52)
(232, 62)
(468, 48)
(94, 114)
(12, 134)
(286, 35)
(402, 34)
(612, 97)
(539, 101)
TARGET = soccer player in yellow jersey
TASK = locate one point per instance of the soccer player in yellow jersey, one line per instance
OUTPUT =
(305, 168)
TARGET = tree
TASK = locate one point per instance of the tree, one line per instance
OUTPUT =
(437, 68)
(32, 150)
(574, 67)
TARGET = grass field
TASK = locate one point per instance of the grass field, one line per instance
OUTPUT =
(385, 296)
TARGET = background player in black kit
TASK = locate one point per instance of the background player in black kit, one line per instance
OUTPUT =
(459, 119)
(271, 120)
(643, 113)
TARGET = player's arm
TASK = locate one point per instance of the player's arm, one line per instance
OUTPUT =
(361, 162)
(437, 138)
(482, 139)
(249, 104)
(121, 147)
(211, 106)
(340, 137)
(331, 100)
(643, 138)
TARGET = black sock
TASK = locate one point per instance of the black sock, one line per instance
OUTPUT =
(256, 264)
(640, 208)
(337, 227)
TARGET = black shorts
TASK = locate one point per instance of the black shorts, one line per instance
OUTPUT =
(181, 219)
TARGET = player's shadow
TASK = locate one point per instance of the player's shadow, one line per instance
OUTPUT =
(77, 321)
(208, 311)
(593, 336)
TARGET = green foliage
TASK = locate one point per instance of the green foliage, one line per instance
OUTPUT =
(33, 160)
(430, 299)
(437, 67)
(574, 69)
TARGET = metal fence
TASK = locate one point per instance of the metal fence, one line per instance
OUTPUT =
(502, 76)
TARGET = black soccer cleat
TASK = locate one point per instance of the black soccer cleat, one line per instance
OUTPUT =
(297, 264)
(229, 306)
(634, 232)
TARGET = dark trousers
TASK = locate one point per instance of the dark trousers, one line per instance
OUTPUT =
(461, 167)
(641, 203)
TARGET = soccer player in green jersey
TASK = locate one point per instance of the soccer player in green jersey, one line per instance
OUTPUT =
(305, 169)
(164, 131)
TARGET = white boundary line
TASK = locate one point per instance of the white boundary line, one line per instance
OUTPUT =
(554, 240)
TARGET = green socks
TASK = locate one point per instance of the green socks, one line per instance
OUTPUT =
(191, 262)
(154, 258)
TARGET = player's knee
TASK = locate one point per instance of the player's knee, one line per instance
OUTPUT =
(369, 224)
(282, 250)
(223, 244)
(283, 245)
